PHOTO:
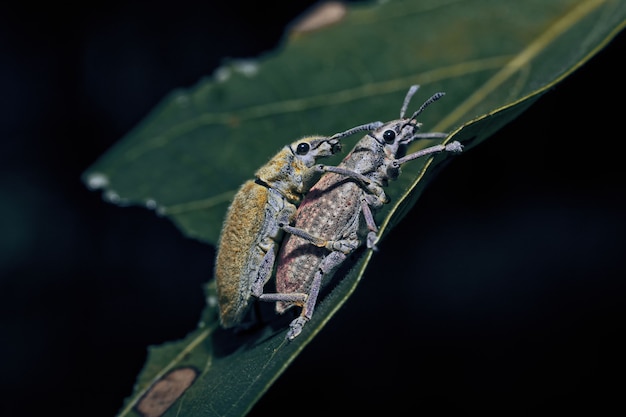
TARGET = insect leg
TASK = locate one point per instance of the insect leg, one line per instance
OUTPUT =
(431, 135)
(343, 171)
(345, 246)
(264, 272)
(329, 263)
(366, 182)
(450, 147)
(372, 236)
(293, 297)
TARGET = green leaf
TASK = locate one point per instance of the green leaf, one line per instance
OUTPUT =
(493, 58)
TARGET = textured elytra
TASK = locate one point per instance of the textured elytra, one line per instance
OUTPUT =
(239, 248)
(328, 212)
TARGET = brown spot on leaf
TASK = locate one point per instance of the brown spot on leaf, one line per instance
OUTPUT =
(165, 392)
(320, 16)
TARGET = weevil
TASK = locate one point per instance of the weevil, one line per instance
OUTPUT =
(251, 232)
(337, 214)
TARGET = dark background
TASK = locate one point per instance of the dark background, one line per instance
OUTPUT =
(519, 309)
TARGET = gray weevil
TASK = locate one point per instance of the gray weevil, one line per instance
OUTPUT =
(251, 232)
(337, 213)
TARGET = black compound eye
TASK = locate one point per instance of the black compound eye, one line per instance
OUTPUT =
(389, 136)
(302, 148)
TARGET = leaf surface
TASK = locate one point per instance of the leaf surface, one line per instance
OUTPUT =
(493, 58)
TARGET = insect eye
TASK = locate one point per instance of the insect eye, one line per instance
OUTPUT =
(303, 148)
(389, 136)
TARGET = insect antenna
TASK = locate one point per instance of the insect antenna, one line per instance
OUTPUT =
(407, 99)
(367, 126)
(427, 103)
